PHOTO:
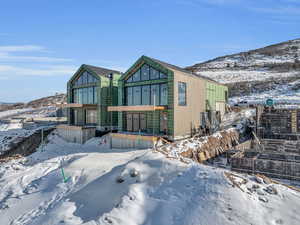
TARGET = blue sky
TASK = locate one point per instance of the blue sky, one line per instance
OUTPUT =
(43, 42)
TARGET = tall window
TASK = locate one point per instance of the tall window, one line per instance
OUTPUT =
(90, 95)
(95, 95)
(163, 94)
(145, 72)
(155, 94)
(129, 96)
(137, 95)
(146, 95)
(181, 93)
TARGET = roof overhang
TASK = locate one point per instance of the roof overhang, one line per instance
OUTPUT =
(135, 108)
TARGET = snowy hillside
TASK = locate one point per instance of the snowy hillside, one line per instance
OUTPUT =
(133, 187)
(256, 71)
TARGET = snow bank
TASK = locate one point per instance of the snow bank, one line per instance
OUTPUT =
(111, 186)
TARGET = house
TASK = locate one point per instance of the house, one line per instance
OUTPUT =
(159, 99)
(89, 92)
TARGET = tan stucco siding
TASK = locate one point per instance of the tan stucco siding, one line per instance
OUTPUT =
(186, 117)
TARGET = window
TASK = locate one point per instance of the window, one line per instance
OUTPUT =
(136, 76)
(90, 95)
(129, 80)
(154, 74)
(137, 95)
(146, 95)
(181, 93)
(85, 78)
(145, 72)
(95, 95)
(163, 94)
(91, 116)
(155, 94)
(129, 96)
(80, 96)
(162, 75)
(84, 95)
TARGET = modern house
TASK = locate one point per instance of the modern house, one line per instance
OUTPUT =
(89, 92)
(159, 99)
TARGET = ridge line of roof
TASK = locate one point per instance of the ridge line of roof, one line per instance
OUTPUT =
(181, 69)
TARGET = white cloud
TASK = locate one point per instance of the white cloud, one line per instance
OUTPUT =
(54, 70)
(6, 54)
(21, 48)
(5, 57)
(283, 10)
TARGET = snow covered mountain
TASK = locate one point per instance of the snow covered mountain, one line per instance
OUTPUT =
(54, 100)
(256, 71)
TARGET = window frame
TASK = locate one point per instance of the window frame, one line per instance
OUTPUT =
(185, 93)
(140, 70)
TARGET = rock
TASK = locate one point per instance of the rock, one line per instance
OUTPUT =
(259, 180)
(260, 192)
(271, 190)
(120, 179)
(263, 199)
(134, 173)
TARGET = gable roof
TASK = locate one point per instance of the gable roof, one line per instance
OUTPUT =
(100, 71)
(165, 65)
(95, 70)
(171, 66)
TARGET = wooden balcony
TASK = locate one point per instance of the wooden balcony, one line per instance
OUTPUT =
(135, 108)
(77, 105)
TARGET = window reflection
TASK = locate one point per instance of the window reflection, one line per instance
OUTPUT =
(145, 73)
(144, 94)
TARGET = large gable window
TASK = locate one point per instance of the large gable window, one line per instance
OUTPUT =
(145, 73)
(85, 78)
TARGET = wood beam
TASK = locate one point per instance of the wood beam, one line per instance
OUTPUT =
(135, 108)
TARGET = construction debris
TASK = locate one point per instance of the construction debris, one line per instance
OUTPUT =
(200, 149)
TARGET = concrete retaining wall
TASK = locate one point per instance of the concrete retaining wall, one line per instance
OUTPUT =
(124, 143)
(27, 145)
(80, 135)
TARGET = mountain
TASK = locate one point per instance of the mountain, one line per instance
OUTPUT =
(48, 101)
(38, 103)
(274, 69)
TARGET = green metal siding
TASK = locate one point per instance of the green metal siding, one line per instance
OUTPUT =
(152, 121)
(107, 95)
(214, 93)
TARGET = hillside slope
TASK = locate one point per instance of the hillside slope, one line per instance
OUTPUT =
(256, 71)
(113, 186)
(38, 103)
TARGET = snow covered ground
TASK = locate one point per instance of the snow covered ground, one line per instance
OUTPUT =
(14, 112)
(111, 186)
(282, 94)
(12, 130)
(230, 76)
